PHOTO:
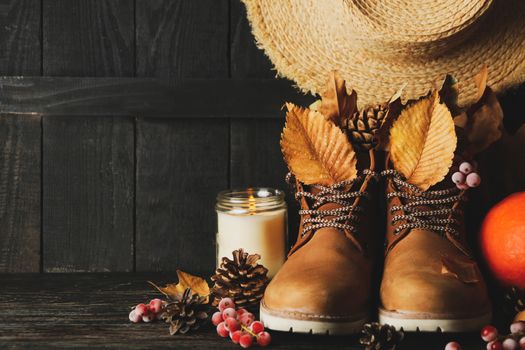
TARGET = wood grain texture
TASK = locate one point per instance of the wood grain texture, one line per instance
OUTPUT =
(256, 158)
(214, 98)
(246, 60)
(88, 182)
(181, 166)
(88, 38)
(20, 37)
(89, 311)
(182, 39)
(20, 168)
(256, 161)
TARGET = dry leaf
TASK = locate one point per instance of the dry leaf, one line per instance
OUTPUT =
(464, 270)
(394, 108)
(461, 120)
(484, 122)
(481, 81)
(449, 94)
(314, 106)
(174, 291)
(315, 149)
(422, 142)
(336, 104)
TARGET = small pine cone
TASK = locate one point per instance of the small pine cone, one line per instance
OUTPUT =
(514, 301)
(380, 337)
(241, 279)
(187, 314)
(363, 126)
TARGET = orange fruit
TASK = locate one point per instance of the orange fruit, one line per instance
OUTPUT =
(503, 240)
(520, 316)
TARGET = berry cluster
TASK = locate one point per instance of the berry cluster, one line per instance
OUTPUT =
(466, 177)
(239, 324)
(146, 313)
(514, 341)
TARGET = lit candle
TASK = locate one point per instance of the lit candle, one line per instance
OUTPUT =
(253, 219)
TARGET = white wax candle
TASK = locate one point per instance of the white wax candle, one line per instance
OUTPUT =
(258, 233)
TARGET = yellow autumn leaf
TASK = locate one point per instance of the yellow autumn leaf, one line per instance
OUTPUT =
(423, 141)
(198, 285)
(336, 104)
(314, 106)
(315, 149)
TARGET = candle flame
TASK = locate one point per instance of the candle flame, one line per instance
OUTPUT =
(251, 204)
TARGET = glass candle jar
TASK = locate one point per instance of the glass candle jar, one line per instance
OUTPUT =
(254, 219)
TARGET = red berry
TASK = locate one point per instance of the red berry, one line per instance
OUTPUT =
(517, 327)
(264, 339)
(155, 305)
(148, 317)
(134, 316)
(216, 318)
(222, 331)
(247, 319)
(466, 168)
(494, 345)
(489, 333)
(232, 324)
(229, 312)
(257, 327)
(453, 346)
(246, 340)
(241, 312)
(226, 303)
(510, 344)
(522, 343)
(236, 336)
(141, 309)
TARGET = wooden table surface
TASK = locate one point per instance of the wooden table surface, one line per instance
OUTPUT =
(90, 311)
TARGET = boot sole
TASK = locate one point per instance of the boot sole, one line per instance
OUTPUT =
(310, 324)
(420, 322)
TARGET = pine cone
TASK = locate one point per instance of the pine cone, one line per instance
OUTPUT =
(380, 337)
(363, 126)
(241, 279)
(514, 300)
(185, 314)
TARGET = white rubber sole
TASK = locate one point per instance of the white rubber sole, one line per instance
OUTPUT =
(426, 323)
(321, 326)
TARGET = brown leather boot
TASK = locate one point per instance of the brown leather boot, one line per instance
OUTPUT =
(430, 281)
(325, 285)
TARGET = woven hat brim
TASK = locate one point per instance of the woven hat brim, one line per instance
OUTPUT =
(306, 46)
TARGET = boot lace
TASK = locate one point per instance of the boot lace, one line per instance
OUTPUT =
(438, 218)
(344, 217)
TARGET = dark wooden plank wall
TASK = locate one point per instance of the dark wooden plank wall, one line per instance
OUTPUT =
(117, 193)
(20, 195)
(88, 193)
(120, 173)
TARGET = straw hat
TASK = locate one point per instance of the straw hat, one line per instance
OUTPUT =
(378, 45)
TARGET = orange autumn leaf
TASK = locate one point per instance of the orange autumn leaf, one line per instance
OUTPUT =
(423, 141)
(198, 285)
(315, 149)
(336, 104)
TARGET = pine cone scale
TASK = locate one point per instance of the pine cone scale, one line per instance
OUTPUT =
(241, 279)
(185, 314)
(364, 125)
